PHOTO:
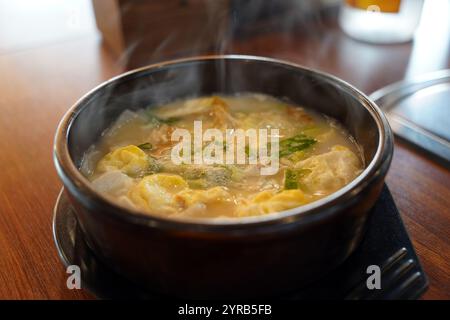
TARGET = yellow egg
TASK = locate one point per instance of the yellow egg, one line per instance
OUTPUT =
(263, 196)
(156, 193)
(130, 160)
(216, 195)
(271, 201)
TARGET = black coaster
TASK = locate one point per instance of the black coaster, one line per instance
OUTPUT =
(386, 244)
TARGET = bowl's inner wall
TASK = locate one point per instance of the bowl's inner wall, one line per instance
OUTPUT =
(222, 76)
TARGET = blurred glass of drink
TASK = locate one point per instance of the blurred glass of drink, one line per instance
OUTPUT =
(380, 21)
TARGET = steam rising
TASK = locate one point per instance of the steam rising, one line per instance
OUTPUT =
(154, 33)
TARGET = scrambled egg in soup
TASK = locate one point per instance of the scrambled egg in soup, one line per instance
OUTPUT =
(132, 161)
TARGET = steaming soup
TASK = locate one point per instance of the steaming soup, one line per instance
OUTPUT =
(140, 161)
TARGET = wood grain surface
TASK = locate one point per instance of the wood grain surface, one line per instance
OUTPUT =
(40, 82)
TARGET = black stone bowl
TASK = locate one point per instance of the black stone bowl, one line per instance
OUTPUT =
(248, 257)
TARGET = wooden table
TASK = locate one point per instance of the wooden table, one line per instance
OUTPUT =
(38, 83)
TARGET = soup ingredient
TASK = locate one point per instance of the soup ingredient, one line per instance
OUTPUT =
(292, 178)
(199, 202)
(296, 143)
(271, 201)
(157, 193)
(113, 182)
(329, 171)
(145, 146)
(132, 162)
